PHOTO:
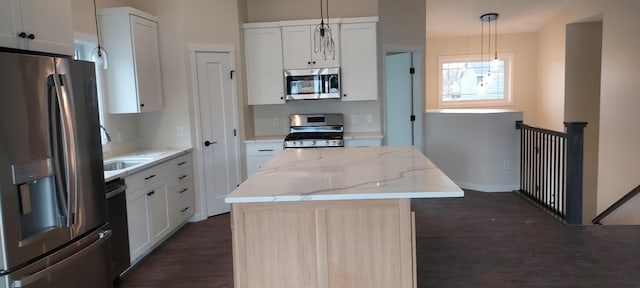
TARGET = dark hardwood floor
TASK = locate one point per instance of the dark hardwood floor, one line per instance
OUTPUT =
(481, 240)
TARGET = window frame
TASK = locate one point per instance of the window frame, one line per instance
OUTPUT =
(509, 99)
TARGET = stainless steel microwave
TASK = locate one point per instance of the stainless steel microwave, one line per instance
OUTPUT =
(312, 84)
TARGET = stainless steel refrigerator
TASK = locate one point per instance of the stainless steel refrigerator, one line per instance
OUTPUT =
(53, 230)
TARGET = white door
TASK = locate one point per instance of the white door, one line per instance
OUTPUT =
(218, 122)
(399, 103)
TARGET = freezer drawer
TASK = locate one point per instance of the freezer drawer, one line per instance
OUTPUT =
(84, 263)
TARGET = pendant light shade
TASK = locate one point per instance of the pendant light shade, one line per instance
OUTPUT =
(322, 36)
(99, 54)
(495, 62)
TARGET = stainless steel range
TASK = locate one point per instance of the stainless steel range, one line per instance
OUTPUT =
(315, 131)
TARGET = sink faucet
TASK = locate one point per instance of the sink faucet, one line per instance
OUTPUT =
(106, 134)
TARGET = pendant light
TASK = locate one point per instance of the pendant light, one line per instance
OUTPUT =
(99, 54)
(322, 36)
(493, 67)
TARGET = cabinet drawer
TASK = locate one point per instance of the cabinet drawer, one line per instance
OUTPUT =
(184, 203)
(178, 178)
(180, 162)
(146, 177)
(264, 148)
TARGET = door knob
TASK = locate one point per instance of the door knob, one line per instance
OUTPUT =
(207, 143)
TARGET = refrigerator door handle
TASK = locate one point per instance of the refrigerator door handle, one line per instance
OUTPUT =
(65, 105)
(26, 281)
(56, 142)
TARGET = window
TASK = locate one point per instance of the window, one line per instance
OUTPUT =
(83, 49)
(467, 81)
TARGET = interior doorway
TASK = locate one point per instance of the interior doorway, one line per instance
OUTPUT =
(218, 147)
(403, 96)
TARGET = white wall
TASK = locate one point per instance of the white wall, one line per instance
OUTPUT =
(582, 100)
(277, 10)
(618, 171)
(402, 27)
(478, 149)
(265, 115)
(525, 65)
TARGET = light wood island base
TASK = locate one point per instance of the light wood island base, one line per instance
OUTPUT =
(337, 244)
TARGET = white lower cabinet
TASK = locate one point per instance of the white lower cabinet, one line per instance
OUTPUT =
(159, 200)
(259, 153)
(363, 142)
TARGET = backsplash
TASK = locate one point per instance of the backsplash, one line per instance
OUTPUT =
(359, 116)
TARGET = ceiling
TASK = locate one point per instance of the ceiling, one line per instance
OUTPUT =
(446, 18)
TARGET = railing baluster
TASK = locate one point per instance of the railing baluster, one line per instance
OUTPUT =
(549, 166)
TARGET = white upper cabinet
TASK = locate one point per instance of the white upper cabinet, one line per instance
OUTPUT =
(36, 25)
(298, 46)
(265, 76)
(133, 78)
(359, 61)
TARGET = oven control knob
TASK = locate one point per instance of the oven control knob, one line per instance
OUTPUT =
(313, 143)
(327, 142)
(300, 143)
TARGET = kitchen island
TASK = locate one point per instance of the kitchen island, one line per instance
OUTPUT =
(332, 217)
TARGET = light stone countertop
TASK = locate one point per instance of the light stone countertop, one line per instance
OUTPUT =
(386, 172)
(149, 157)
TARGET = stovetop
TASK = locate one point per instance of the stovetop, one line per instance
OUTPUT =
(315, 130)
(314, 136)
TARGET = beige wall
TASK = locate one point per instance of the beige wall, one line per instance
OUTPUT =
(618, 171)
(524, 65)
(549, 104)
(582, 100)
(277, 10)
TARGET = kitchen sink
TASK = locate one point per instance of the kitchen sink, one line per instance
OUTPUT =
(121, 164)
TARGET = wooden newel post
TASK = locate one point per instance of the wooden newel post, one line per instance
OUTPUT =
(574, 170)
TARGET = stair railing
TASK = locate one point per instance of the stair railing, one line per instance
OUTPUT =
(551, 168)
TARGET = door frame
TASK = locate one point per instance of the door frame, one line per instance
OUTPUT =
(198, 154)
(418, 89)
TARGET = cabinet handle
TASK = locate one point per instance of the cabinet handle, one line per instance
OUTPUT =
(265, 150)
(141, 104)
(182, 177)
(22, 35)
(344, 95)
(31, 36)
(281, 98)
(308, 62)
(147, 178)
(314, 62)
(182, 163)
(184, 209)
(184, 190)
(151, 193)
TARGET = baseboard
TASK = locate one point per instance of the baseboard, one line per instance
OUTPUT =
(486, 188)
(197, 217)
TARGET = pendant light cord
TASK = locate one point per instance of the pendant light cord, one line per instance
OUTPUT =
(95, 16)
(327, 11)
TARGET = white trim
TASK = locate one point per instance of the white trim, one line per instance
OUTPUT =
(359, 20)
(199, 178)
(222, 48)
(487, 188)
(198, 164)
(509, 100)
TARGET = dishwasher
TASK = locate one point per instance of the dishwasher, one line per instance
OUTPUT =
(117, 218)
